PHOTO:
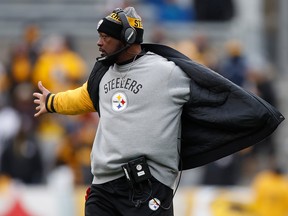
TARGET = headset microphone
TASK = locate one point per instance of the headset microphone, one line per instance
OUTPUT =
(113, 55)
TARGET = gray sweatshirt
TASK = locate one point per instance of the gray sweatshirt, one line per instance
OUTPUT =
(141, 104)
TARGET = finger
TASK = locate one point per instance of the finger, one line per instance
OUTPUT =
(40, 112)
(37, 95)
(37, 101)
(36, 114)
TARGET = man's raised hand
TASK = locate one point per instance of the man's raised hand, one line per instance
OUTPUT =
(40, 100)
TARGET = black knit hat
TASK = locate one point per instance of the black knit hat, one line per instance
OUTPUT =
(112, 25)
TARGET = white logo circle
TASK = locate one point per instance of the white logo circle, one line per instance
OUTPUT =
(154, 204)
(119, 101)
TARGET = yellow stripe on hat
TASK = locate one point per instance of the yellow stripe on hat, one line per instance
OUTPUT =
(134, 22)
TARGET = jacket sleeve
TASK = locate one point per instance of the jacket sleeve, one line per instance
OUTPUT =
(71, 102)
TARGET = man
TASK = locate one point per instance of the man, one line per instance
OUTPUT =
(144, 100)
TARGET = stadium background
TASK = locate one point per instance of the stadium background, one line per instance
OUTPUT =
(45, 171)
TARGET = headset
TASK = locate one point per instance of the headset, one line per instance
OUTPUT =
(128, 34)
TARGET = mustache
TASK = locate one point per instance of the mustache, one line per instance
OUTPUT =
(110, 59)
(103, 52)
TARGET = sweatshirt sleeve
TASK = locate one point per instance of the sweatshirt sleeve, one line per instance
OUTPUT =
(71, 102)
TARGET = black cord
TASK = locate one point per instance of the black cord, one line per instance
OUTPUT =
(138, 203)
(178, 183)
(170, 204)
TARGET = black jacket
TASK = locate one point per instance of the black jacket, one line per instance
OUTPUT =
(220, 118)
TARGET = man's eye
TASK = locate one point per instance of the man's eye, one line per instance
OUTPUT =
(103, 37)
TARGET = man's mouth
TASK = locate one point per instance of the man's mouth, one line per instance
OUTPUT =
(102, 52)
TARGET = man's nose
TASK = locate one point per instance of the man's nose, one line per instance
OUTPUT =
(99, 42)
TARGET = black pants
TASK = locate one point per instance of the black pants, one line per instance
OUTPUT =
(115, 198)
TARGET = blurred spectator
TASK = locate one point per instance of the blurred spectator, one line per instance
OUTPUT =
(188, 48)
(23, 56)
(50, 132)
(4, 85)
(9, 117)
(214, 10)
(223, 172)
(76, 147)
(206, 53)
(262, 80)
(58, 67)
(234, 65)
(198, 49)
(31, 37)
(261, 76)
(262, 155)
(10, 125)
(21, 100)
(270, 189)
(21, 159)
(158, 35)
(19, 66)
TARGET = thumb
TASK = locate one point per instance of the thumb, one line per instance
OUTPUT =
(41, 87)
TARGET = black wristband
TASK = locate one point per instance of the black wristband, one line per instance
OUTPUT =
(46, 103)
(52, 103)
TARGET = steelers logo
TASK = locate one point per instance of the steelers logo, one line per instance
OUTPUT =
(119, 102)
(154, 204)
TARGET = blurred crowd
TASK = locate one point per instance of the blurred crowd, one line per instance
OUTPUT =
(32, 148)
(190, 10)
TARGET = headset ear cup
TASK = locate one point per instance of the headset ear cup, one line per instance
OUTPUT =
(129, 35)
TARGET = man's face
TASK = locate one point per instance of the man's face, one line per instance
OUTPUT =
(108, 45)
